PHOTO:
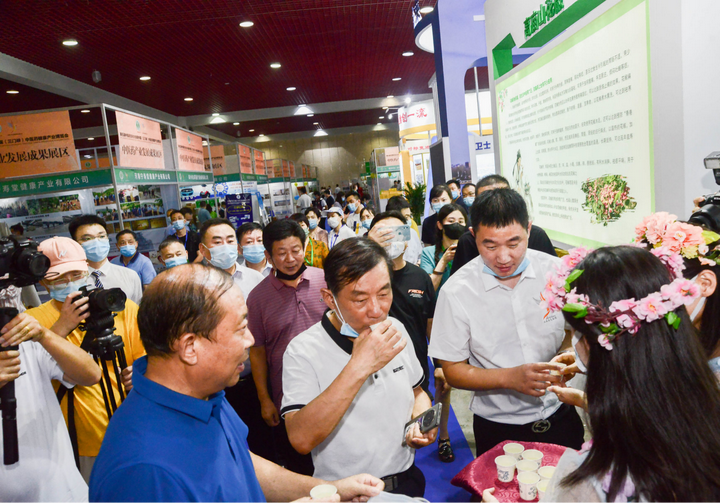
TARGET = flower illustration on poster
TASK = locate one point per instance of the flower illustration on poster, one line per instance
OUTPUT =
(607, 198)
(502, 96)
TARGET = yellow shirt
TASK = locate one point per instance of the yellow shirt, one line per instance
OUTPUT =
(91, 419)
(315, 253)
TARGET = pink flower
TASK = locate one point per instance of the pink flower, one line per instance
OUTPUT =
(555, 283)
(651, 307)
(625, 321)
(703, 249)
(605, 342)
(681, 291)
(574, 298)
(707, 261)
(622, 305)
(679, 235)
(652, 228)
(672, 260)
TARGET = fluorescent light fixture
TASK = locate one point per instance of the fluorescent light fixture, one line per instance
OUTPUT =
(408, 100)
(86, 156)
(407, 54)
(390, 97)
(315, 123)
(390, 116)
(236, 123)
(251, 130)
(396, 79)
(217, 120)
(246, 24)
(261, 135)
(385, 108)
(215, 114)
(84, 111)
(291, 88)
(204, 143)
(71, 42)
(311, 115)
(188, 99)
(303, 110)
(381, 117)
(144, 77)
(12, 91)
(426, 10)
(320, 132)
(275, 65)
(91, 139)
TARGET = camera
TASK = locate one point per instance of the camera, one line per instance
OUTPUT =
(102, 306)
(709, 213)
(20, 258)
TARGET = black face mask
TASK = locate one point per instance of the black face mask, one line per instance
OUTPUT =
(290, 277)
(454, 230)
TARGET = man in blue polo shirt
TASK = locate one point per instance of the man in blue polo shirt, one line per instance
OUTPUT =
(176, 438)
(131, 258)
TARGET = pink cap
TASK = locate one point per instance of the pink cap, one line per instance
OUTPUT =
(64, 254)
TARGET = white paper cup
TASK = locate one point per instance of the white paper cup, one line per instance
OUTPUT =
(323, 492)
(546, 472)
(505, 468)
(527, 466)
(542, 487)
(513, 449)
(533, 455)
(528, 485)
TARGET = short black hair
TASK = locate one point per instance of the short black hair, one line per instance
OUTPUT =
(17, 228)
(185, 210)
(81, 220)
(212, 222)
(167, 242)
(387, 214)
(437, 191)
(302, 189)
(352, 193)
(351, 259)
(397, 203)
(468, 185)
(455, 181)
(247, 227)
(279, 230)
(499, 208)
(175, 212)
(125, 231)
(311, 209)
(300, 218)
(490, 180)
(178, 303)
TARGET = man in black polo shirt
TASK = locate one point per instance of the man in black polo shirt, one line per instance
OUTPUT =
(190, 239)
(413, 305)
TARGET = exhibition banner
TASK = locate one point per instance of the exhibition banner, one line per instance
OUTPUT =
(276, 168)
(54, 183)
(194, 177)
(239, 208)
(286, 169)
(144, 176)
(34, 144)
(245, 159)
(260, 163)
(217, 152)
(140, 142)
(575, 130)
(189, 151)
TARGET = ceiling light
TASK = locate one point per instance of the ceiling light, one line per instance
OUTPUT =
(86, 156)
(246, 24)
(251, 130)
(320, 132)
(12, 91)
(381, 117)
(70, 42)
(275, 65)
(397, 79)
(188, 99)
(236, 123)
(204, 143)
(391, 97)
(379, 124)
(390, 116)
(385, 108)
(311, 115)
(315, 123)
(291, 88)
(302, 105)
(303, 110)
(261, 134)
(215, 114)
(408, 100)
(217, 120)
(408, 53)
(427, 9)
(84, 111)
(91, 139)
(145, 77)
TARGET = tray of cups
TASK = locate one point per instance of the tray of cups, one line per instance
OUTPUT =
(519, 471)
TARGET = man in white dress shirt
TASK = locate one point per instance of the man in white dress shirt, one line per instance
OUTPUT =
(492, 336)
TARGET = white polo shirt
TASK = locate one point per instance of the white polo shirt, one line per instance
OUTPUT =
(342, 233)
(369, 437)
(246, 279)
(115, 276)
(265, 272)
(493, 326)
(46, 470)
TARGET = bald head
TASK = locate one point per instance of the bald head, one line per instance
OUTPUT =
(184, 299)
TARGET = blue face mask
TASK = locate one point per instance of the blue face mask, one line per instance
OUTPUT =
(178, 225)
(352, 207)
(254, 253)
(437, 206)
(223, 256)
(469, 200)
(128, 250)
(61, 293)
(96, 250)
(523, 265)
(175, 261)
(346, 329)
(455, 194)
(366, 223)
(312, 222)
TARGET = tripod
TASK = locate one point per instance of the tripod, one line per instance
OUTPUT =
(8, 403)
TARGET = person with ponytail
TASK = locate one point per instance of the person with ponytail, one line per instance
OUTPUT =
(436, 260)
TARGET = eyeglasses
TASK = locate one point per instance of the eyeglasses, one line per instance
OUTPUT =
(68, 278)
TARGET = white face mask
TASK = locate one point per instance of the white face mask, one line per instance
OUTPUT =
(699, 306)
(580, 364)
(334, 222)
(395, 249)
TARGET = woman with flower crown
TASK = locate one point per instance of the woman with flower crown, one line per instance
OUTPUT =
(653, 404)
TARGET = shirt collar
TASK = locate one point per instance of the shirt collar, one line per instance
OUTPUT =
(194, 407)
(103, 268)
(343, 342)
(490, 281)
(279, 284)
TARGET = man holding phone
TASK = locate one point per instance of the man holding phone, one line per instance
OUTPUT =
(352, 382)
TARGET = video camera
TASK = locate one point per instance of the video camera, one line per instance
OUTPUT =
(709, 213)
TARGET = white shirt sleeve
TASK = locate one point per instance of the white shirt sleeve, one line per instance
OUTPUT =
(135, 289)
(46, 362)
(300, 382)
(450, 339)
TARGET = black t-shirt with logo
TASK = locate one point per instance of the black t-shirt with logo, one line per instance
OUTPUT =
(414, 304)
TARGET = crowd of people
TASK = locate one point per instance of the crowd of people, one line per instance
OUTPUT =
(265, 360)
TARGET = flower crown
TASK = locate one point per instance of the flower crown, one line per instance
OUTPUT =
(663, 231)
(622, 315)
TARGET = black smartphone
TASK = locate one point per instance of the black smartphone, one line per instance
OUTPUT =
(427, 420)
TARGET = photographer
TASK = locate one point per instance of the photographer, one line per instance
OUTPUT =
(46, 470)
(67, 274)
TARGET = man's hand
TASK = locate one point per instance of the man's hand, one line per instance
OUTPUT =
(381, 235)
(696, 203)
(359, 487)
(126, 377)
(571, 367)
(417, 440)
(441, 384)
(533, 378)
(21, 328)
(373, 350)
(9, 366)
(269, 412)
(570, 396)
(73, 312)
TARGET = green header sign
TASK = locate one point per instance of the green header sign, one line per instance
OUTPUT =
(275, 180)
(261, 178)
(233, 177)
(195, 177)
(540, 17)
(388, 169)
(70, 180)
(144, 176)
